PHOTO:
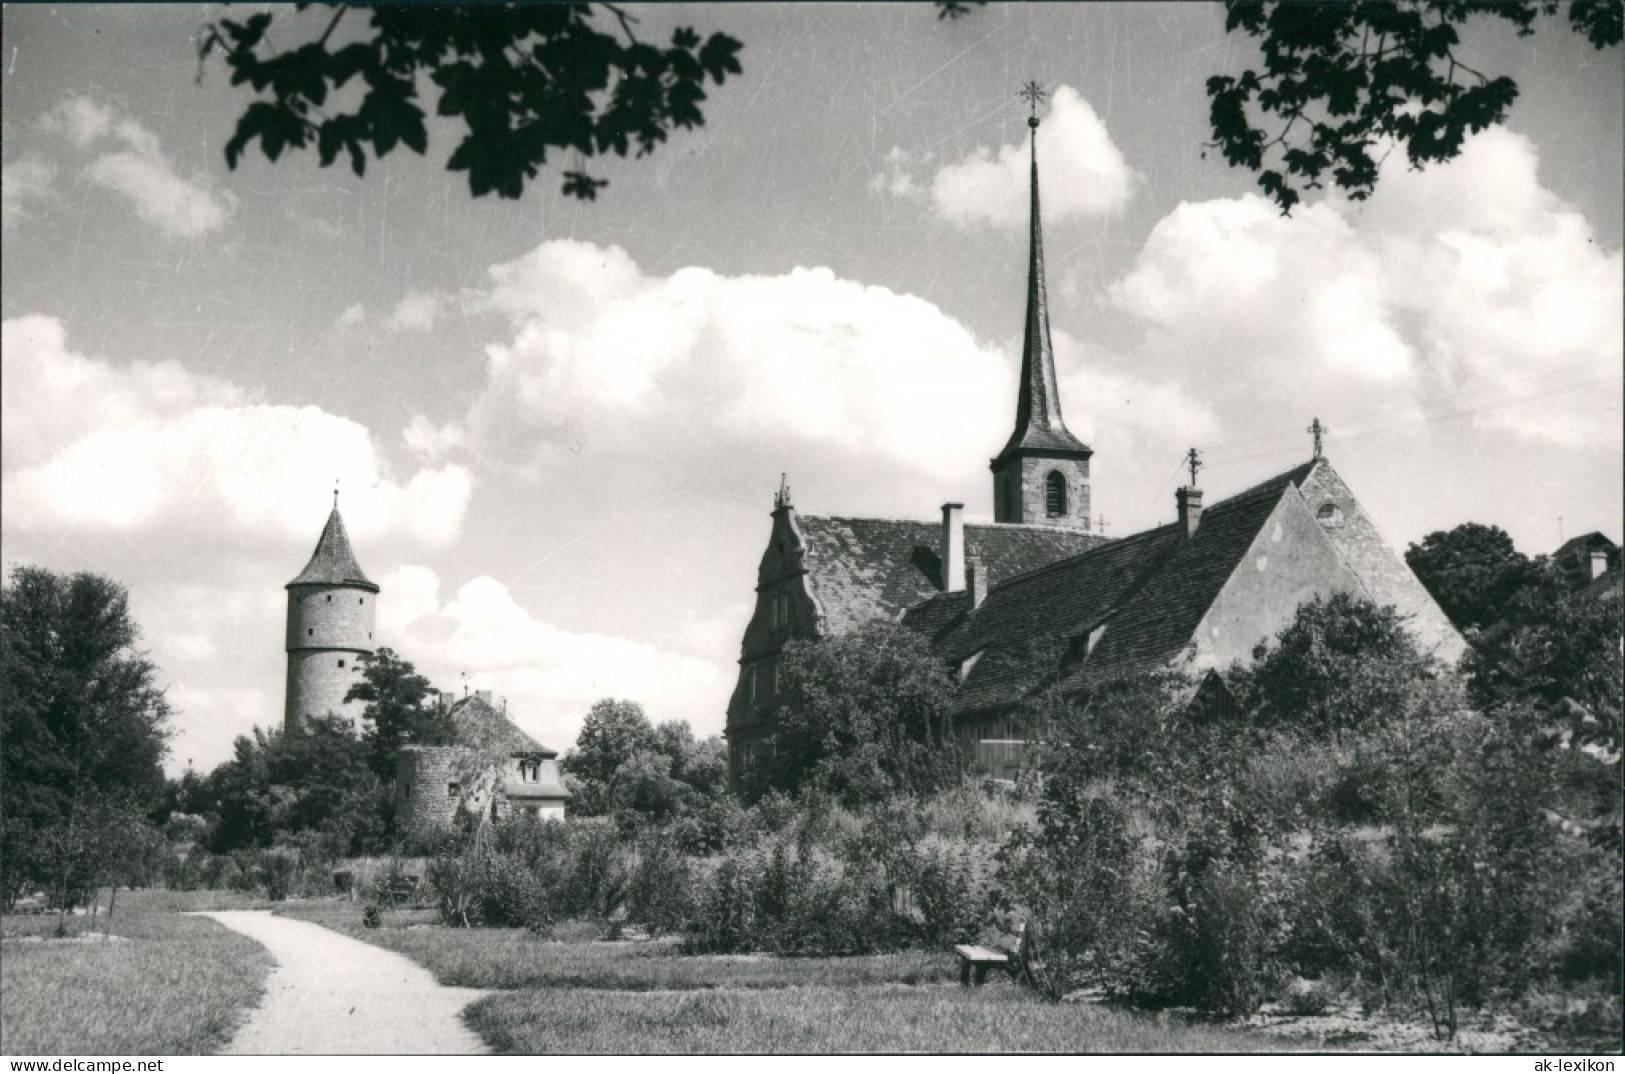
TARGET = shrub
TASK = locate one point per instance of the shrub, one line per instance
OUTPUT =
(660, 891)
(726, 919)
(952, 896)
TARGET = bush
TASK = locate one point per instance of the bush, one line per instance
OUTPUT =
(660, 893)
(952, 895)
(484, 887)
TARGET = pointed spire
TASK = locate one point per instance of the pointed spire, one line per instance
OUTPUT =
(333, 562)
(1038, 404)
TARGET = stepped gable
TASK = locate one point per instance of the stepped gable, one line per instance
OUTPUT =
(862, 570)
(333, 562)
(1149, 592)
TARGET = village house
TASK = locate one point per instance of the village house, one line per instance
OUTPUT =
(1037, 599)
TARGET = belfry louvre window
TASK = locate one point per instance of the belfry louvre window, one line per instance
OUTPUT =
(1055, 495)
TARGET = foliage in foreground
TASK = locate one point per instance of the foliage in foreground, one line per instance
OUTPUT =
(1357, 822)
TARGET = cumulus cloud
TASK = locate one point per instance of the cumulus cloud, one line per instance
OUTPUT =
(153, 446)
(1466, 291)
(1081, 173)
(417, 312)
(603, 358)
(29, 180)
(132, 164)
(549, 676)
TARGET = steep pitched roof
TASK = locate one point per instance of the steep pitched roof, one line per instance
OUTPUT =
(333, 563)
(1159, 618)
(860, 570)
(1149, 592)
(480, 725)
(1038, 405)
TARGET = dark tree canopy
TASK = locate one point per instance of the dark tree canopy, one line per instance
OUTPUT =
(1472, 571)
(863, 716)
(402, 709)
(1341, 81)
(84, 716)
(530, 83)
(626, 766)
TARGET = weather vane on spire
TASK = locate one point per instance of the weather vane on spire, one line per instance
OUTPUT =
(1035, 95)
(1193, 462)
(335, 494)
(1317, 430)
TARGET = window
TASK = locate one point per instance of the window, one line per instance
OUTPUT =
(330, 598)
(750, 683)
(1330, 515)
(406, 790)
(530, 771)
(341, 663)
(453, 788)
(363, 600)
(310, 632)
(1055, 495)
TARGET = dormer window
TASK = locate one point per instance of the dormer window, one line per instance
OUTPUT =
(453, 788)
(1329, 515)
(530, 771)
(1055, 495)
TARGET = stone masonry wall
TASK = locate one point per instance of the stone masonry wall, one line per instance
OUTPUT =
(317, 684)
(1383, 572)
(423, 775)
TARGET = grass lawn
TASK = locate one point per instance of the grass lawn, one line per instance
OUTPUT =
(648, 997)
(165, 984)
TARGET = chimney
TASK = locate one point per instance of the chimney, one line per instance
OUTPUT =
(1190, 509)
(953, 548)
(976, 580)
(1599, 563)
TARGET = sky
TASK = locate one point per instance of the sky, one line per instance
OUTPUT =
(557, 427)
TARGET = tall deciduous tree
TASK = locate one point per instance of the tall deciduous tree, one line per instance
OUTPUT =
(1340, 82)
(83, 713)
(402, 708)
(1472, 571)
(863, 715)
(530, 84)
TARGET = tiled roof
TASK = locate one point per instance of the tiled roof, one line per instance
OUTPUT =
(861, 570)
(481, 726)
(1150, 591)
(1159, 618)
(333, 563)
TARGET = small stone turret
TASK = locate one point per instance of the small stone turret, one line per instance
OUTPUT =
(332, 612)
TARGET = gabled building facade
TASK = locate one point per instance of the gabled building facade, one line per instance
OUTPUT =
(1037, 599)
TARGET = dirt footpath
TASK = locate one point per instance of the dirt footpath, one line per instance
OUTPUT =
(331, 995)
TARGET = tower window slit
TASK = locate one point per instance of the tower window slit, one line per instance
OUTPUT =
(1055, 495)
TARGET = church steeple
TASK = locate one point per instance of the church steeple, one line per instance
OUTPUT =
(1042, 474)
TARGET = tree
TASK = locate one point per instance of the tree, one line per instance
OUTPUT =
(84, 716)
(1472, 571)
(313, 778)
(863, 716)
(1340, 665)
(1342, 81)
(622, 764)
(402, 709)
(526, 81)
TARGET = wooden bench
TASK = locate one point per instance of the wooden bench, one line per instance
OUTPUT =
(974, 962)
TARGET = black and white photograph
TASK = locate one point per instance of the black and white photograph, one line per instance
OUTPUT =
(881, 529)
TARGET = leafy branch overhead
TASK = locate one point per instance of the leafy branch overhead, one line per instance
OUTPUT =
(1342, 81)
(526, 81)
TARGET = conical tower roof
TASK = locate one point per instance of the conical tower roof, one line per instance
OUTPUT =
(333, 563)
(1039, 427)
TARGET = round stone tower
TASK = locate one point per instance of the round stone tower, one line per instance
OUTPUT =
(332, 610)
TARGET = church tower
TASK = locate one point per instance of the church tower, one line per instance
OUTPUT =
(332, 611)
(1042, 475)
